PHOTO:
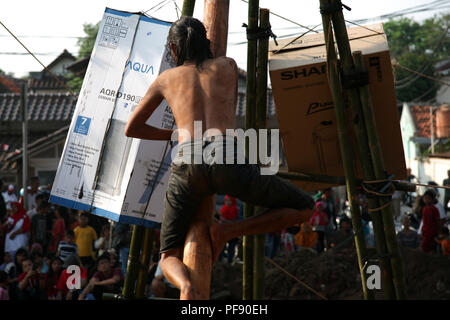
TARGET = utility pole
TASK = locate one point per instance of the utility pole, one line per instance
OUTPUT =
(432, 129)
(24, 112)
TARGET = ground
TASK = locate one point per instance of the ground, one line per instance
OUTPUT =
(335, 275)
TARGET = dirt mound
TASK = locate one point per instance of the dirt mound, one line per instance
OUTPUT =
(335, 275)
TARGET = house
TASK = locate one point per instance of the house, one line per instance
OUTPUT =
(417, 133)
(50, 108)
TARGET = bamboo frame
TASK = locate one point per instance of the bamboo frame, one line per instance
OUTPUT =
(378, 165)
(348, 66)
(345, 147)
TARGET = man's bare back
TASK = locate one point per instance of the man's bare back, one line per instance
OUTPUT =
(207, 94)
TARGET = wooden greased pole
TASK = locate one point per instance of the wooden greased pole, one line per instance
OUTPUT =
(345, 147)
(261, 123)
(250, 110)
(348, 67)
(197, 254)
(380, 173)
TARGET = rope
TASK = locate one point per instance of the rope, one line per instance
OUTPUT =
(155, 6)
(289, 20)
(46, 69)
(296, 279)
(423, 75)
(296, 39)
(177, 9)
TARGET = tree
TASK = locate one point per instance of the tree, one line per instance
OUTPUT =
(417, 46)
(85, 45)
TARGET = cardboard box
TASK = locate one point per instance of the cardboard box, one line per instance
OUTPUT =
(101, 170)
(305, 107)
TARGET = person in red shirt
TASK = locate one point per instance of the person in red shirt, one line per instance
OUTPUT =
(319, 222)
(105, 280)
(229, 212)
(59, 228)
(430, 223)
(52, 277)
(64, 293)
(29, 282)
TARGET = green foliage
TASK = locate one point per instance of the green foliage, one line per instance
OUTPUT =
(86, 44)
(74, 82)
(418, 46)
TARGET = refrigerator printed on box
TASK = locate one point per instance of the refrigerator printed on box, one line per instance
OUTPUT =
(101, 170)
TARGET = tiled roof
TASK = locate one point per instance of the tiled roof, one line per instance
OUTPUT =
(240, 110)
(41, 107)
(46, 83)
(10, 84)
(421, 116)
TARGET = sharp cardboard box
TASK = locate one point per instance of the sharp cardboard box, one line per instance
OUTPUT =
(305, 107)
(101, 170)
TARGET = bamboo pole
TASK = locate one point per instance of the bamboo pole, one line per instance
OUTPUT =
(145, 261)
(380, 173)
(348, 67)
(250, 100)
(133, 262)
(346, 149)
(188, 8)
(260, 123)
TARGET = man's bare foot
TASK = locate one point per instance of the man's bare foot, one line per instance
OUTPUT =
(218, 240)
(188, 292)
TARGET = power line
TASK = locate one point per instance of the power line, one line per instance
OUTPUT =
(45, 67)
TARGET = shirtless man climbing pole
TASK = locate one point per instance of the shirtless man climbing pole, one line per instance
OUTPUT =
(204, 89)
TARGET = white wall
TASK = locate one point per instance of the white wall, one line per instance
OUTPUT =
(430, 169)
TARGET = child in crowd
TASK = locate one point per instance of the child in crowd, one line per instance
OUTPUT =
(4, 293)
(7, 264)
(40, 265)
(85, 236)
(407, 237)
(64, 293)
(68, 246)
(101, 244)
(444, 241)
(29, 284)
(59, 228)
(105, 280)
(319, 222)
(52, 277)
(430, 222)
(306, 238)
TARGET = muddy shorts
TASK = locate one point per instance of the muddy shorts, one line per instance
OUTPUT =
(190, 183)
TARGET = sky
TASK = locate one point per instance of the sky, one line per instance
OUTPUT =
(47, 27)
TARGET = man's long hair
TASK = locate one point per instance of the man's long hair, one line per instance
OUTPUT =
(189, 37)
